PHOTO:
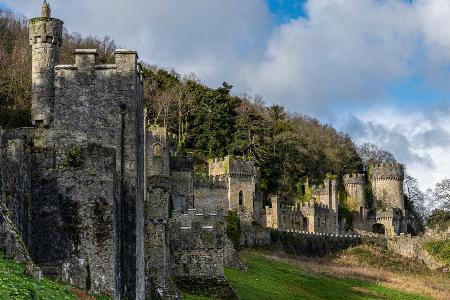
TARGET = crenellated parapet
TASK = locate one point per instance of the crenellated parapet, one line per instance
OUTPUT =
(210, 183)
(233, 166)
(354, 179)
(387, 171)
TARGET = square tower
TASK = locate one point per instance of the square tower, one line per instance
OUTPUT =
(241, 176)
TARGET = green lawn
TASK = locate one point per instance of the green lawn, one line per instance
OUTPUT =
(14, 284)
(268, 279)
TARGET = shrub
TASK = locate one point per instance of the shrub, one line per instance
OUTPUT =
(74, 158)
(439, 219)
(234, 230)
(440, 250)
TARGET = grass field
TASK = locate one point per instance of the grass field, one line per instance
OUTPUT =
(14, 284)
(358, 273)
(271, 279)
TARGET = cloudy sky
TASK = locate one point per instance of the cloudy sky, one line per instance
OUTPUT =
(378, 70)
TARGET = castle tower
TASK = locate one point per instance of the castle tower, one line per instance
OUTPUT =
(241, 175)
(354, 187)
(387, 185)
(45, 40)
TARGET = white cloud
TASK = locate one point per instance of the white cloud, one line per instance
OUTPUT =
(421, 140)
(354, 50)
(212, 38)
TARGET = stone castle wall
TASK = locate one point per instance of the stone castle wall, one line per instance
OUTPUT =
(319, 218)
(210, 196)
(114, 96)
(197, 243)
(65, 214)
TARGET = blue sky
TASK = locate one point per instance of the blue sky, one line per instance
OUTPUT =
(377, 70)
(285, 10)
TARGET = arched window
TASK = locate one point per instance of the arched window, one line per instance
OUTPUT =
(157, 150)
(241, 198)
(305, 224)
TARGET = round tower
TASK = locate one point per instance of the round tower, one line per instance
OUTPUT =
(45, 40)
(355, 188)
(387, 185)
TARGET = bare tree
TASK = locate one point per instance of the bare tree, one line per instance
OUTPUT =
(371, 154)
(441, 193)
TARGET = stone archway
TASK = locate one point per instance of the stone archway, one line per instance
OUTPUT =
(378, 228)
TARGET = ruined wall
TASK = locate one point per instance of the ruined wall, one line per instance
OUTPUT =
(387, 185)
(210, 196)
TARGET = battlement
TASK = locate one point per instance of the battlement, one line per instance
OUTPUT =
(182, 164)
(354, 179)
(85, 59)
(233, 166)
(387, 171)
(210, 183)
(194, 217)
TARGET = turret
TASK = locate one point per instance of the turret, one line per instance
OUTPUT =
(355, 189)
(45, 40)
(387, 185)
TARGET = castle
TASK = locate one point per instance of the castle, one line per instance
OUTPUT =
(102, 202)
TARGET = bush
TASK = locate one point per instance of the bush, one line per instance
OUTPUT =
(439, 219)
(440, 250)
(234, 230)
(74, 158)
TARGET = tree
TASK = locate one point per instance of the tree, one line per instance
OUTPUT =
(372, 154)
(441, 194)
(415, 203)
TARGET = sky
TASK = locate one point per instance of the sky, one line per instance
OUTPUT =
(378, 70)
